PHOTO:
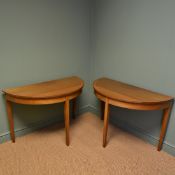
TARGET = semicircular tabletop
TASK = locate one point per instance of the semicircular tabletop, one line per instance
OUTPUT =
(48, 89)
(127, 93)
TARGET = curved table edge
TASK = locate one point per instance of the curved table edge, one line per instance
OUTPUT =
(54, 96)
(135, 106)
(42, 101)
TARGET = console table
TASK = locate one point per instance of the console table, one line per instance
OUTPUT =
(50, 92)
(116, 93)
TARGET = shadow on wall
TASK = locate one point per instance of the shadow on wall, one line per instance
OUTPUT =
(25, 115)
(145, 122)
(138, 120)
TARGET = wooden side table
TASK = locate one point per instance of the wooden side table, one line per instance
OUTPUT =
(116, 93)
(50, 92)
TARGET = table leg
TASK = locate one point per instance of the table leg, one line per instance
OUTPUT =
(10, 118)
(74, 108)
(102, 109)
(106, 118)
(166, 114)
(66, 118)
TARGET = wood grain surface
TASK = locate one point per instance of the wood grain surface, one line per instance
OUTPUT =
(128, 93)
(48, 89)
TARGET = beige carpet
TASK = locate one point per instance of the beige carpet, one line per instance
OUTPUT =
(44, 153)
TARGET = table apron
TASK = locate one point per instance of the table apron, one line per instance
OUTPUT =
(41, 101)
(135, 106)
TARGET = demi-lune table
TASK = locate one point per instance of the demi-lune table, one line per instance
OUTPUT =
(50, 92)
(112, 92)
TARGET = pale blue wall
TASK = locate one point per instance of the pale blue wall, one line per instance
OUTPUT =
(134, 41)
(41, 40)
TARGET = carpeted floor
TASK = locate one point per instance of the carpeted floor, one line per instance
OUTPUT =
(44, 152)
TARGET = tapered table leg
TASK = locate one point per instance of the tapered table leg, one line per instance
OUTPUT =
(66, 119)
(166, 114)
(106, 118)
(102, 109)
(74, 108)
(10, 118)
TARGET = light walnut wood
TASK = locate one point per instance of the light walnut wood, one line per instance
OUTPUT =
(165, 118)
(50, 92)
(38, 101)
(127, 93)
(49, 89)
(10, 118)
(134, 106)
(106, 118)
(116, 93)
